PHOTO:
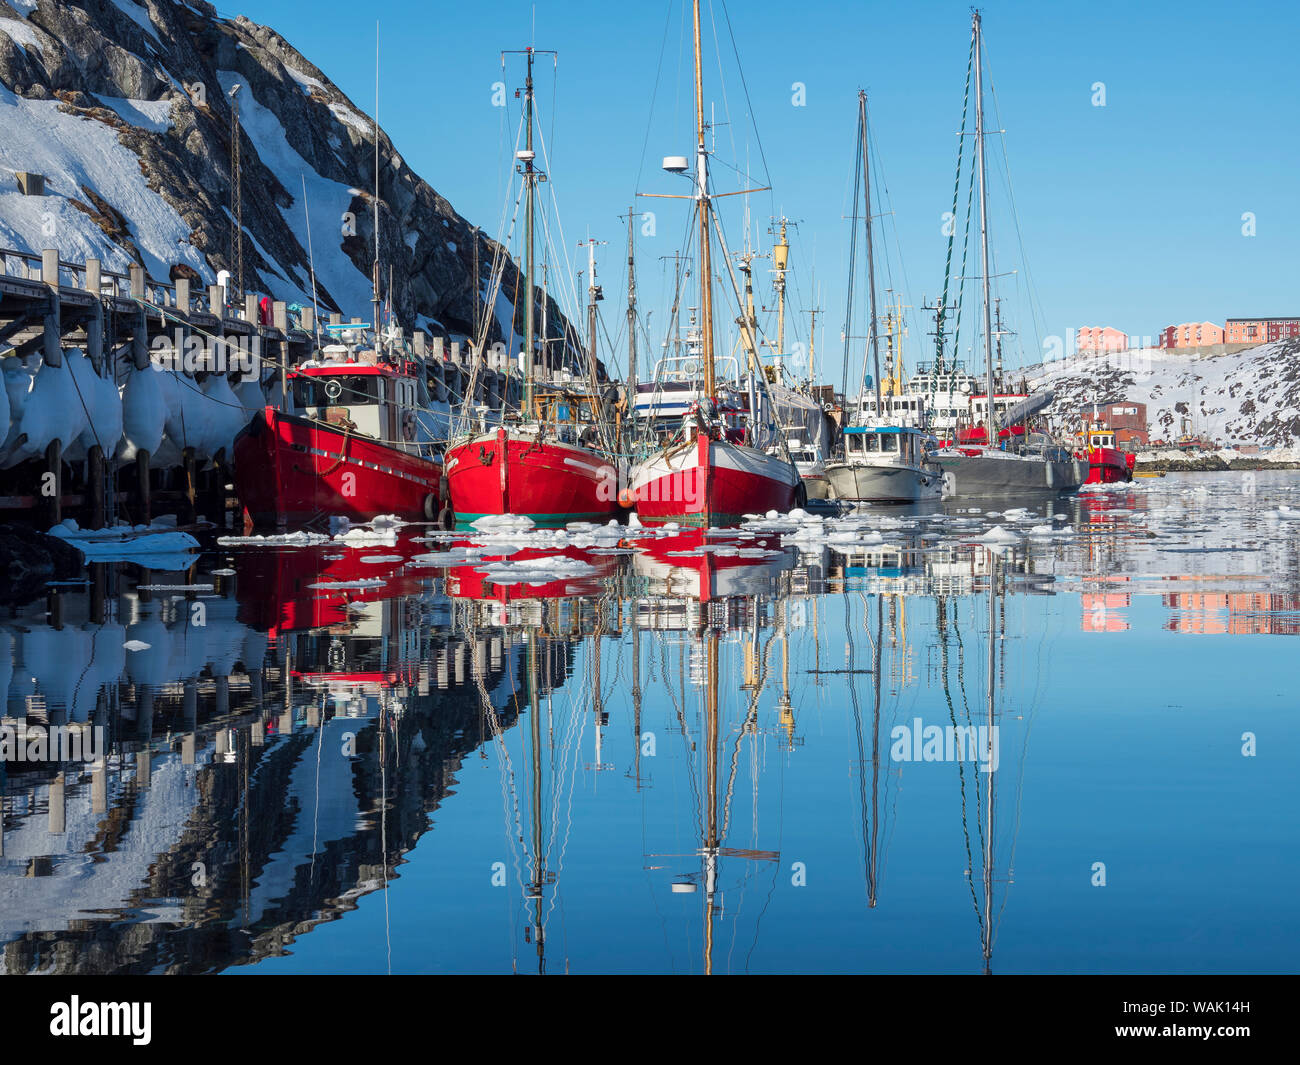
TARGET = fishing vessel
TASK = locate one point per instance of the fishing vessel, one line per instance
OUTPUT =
(720, 464)
(991, 464)
(885, 460)
(355, 445)
(553, 460)
(1107, 464)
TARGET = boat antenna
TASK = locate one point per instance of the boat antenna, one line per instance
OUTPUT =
(311, 261)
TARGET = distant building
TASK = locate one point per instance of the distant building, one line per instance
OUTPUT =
(1127, 418)
(1100, 338)
(1260, 330)
(1190, 335)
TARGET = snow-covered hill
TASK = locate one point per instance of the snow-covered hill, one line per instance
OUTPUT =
(1251, 397)
(123, 105)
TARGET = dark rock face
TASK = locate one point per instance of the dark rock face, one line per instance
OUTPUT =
(93, 49)
(28, 559)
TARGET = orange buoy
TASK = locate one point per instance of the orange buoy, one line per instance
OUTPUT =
(626, 498)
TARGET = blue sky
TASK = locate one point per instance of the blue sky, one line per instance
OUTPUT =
(1130, 213)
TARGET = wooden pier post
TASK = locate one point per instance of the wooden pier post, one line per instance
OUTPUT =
(142, 486)
(143, 767)
(98, 487)
(99, 787)
(52, 350)
(144, 714)
(95, 326)
(250, 308)
(58, 806)
(188, 509)
(136, 272)
(52, 484)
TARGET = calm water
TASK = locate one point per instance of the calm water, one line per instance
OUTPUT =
(889, 743)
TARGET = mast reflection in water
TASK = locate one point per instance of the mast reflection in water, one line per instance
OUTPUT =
(795, 746)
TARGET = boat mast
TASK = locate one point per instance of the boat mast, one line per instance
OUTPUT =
(631, 313)
(529, 187)
(594, 295)
(871, 267)
(703, 209)
(991, 420)
(780, 258)
(374, 270)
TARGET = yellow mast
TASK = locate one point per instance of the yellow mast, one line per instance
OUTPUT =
(780, 257)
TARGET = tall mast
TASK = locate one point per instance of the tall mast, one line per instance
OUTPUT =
(812, 347)
(594, 296)
(780, 257)
(871, 267)
(529, 180)
(991, 421)
(704, 211)
(374, 271)
(631, 310)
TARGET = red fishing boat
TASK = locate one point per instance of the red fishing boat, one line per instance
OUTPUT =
(352, 447)
(1106, 463)
(541, 469)
(724, 462)
(554, 463)
(707, 480)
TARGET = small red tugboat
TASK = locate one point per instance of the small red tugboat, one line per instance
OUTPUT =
(355, 447)
(1106, 463)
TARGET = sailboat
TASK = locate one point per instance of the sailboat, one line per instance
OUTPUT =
(554, 462)
(998, 462)
(886, 459)
(721, 464)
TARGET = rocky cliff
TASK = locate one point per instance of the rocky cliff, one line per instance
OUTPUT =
(125, 107)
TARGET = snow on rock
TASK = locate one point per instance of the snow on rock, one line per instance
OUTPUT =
(1252, 396)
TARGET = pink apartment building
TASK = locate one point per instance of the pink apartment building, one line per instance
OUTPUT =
(1190, 335)
(1100, 338)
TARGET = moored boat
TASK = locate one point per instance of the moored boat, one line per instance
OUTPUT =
(1107, 464)
(724, 462)
(352, 447)
(554, 463)
(885, 464)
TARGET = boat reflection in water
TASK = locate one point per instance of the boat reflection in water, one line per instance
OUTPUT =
(727, 751)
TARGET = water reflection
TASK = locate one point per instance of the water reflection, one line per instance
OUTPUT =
(783, 748)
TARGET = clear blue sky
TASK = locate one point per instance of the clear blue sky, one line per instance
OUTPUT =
(1131, 213)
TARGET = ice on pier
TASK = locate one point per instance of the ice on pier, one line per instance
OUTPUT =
(144, 414)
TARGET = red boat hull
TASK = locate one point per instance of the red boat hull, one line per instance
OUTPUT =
(291, 470)
(1108, 465)
(712, 483)
(548, 481)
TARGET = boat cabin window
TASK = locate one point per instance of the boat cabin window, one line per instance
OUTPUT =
(888, 441)
(336, 391)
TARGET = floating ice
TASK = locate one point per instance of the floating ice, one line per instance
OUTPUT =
(137, 645)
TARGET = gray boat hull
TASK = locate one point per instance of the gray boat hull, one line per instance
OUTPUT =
(982, 477)
(860, 483)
